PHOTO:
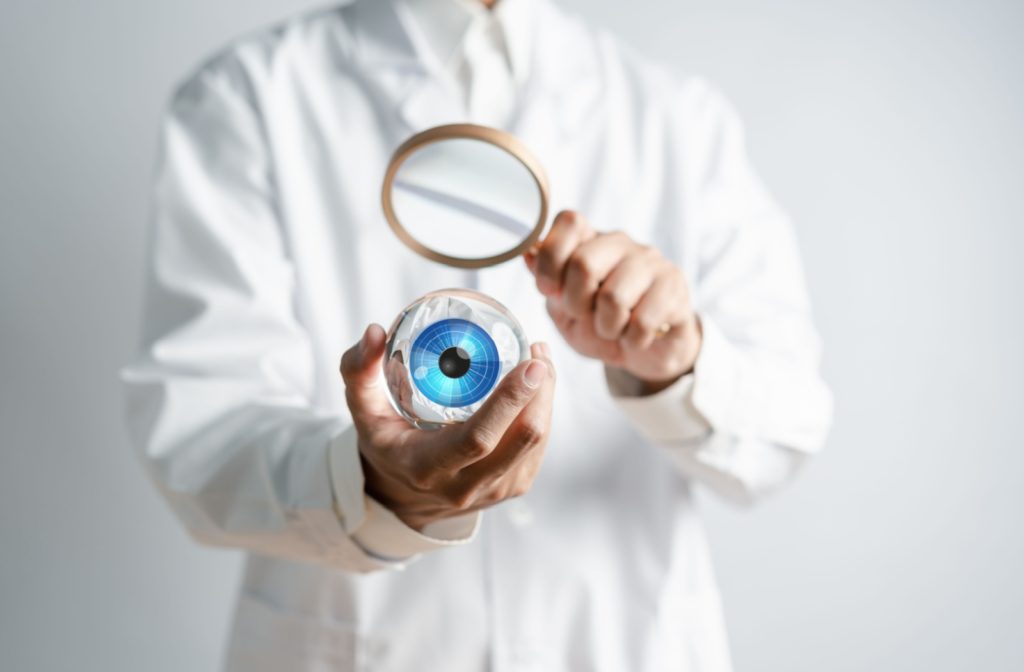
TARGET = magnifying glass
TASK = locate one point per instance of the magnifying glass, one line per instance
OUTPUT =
(466, 196)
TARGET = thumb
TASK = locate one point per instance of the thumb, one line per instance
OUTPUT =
(360, 369)
(509, 398)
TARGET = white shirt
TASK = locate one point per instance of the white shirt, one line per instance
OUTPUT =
(266, 264)
(484, 52)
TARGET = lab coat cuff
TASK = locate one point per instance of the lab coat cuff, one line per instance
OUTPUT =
(667, 416)
(716, 376)
(317, 500)
(347, 480)
(376, 530)
(345, 475)
(689, 409)
(384, 535)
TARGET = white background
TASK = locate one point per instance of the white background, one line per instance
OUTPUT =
(893, 131)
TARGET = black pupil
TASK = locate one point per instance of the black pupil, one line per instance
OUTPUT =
(454, 362)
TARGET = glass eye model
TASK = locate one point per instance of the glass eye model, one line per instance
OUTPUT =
(445, 354)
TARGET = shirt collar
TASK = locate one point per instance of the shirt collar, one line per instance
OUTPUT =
(442, 25)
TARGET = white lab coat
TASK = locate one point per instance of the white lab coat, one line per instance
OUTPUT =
(270, 254)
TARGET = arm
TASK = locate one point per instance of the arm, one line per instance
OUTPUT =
(219, 403)
(731, 389)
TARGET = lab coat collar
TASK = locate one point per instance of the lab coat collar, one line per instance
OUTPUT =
(396, 64)
(442, 25)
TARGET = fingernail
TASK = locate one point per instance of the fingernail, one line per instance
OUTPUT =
(546, 349)
(535, 373)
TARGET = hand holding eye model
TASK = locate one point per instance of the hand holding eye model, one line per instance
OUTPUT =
(618, 301)
(463, 416)
(425, 476)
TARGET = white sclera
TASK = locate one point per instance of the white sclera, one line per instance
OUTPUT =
(482, 310)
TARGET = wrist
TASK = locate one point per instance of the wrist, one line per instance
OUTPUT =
(376, 485)
(649, 387)
(680, 362)
(393, 496)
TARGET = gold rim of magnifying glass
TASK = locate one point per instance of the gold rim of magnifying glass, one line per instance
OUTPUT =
(493, 136)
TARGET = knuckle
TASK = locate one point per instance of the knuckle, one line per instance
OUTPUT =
(581, 264)
(530, 433)
(492, 497)
(545, 259)
(459, 498)
(605, 328)
(478, 442)
(421, 479)
(645, 322)
(612, 298)
(570, 219)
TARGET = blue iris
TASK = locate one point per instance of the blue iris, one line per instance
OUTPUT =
(454, 363)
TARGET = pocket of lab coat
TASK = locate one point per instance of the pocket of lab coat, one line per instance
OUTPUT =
(266, 638)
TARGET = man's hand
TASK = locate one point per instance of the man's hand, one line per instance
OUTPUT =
(618, 301)
(424, 476)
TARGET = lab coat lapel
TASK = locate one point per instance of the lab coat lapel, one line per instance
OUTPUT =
(559, 94)
(559, 100)
(563, 87)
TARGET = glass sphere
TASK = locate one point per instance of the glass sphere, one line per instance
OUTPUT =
(446, 352)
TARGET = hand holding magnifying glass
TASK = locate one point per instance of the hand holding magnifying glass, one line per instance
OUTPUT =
(616, 300)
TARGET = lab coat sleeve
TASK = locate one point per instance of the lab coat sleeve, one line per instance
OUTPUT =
(219, 403)
(755, 407)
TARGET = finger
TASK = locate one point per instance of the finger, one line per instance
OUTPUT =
(588, 266)
(527, 433)
(457, 447)
(530, 258)
(661, 305)
(567, 232)
(360, 370)
(478, 485)
(620, 293)
(562, 319)
(581, 336)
